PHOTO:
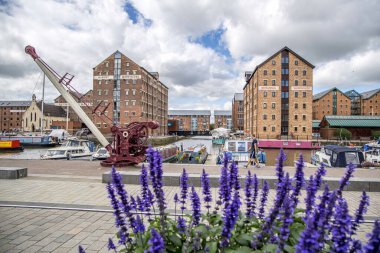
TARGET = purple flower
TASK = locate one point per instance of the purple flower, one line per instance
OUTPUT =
(248, 194)
(176, 199)
(206, 189)
(322, 214)
(346, 178)
(280, 175)
(156, 243)
(156, 174)
(308, 241)
(81, 250)
(300, 181)
(119, 220)
(224, 185)
(319, 175)
(144, 181)
(267, 227)
(325, 225)
(234, 177)
(139, 227)
(181, 224)
(111, 245)
(373, 244)
(231, 214)
(364, 203)
(287, 220)
(311, 191)
(133, 204)
(357, 247)
(341, 229)
(184, 188)
(312, 238)
(255, 192)
(140, 204)
(124, 203)
(196, 206)
(264, 198)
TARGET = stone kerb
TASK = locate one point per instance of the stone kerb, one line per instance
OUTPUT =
(172, 179)
(13, 172)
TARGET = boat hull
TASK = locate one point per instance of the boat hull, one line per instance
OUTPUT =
(10, 145)
(32, 141)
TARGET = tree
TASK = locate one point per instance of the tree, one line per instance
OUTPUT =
(343, 133)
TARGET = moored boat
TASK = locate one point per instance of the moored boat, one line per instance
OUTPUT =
(36, 141)
(72, 148)
(239, 151)
(11, 145)
(195, 154)
(101, 154)
(338, 156)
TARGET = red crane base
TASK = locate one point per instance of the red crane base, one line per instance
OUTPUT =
(129, 144)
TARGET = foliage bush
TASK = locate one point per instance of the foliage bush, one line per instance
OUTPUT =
(343, 133)
(376, 135)
(241, 220)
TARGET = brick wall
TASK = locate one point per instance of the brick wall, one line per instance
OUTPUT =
(324, 105)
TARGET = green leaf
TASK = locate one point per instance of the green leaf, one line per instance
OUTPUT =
(212, 247)
(216, 230)
(139, 250)
(244, 239)
(244, 249)
(171, 248)
(174, 238)
(270, 248)
(289, 249)
(201, 228)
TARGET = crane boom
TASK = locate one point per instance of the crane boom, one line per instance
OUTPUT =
(55, 80)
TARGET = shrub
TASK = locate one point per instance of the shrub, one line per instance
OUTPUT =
(324, 226)
(376, 135)
(343, 133)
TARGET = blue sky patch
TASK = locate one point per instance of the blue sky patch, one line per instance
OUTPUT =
(135, 16)
(213, 39)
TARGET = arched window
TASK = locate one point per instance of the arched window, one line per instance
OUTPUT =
(31, 116)
(35, 117)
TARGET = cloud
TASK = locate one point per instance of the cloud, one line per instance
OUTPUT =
(201, 49)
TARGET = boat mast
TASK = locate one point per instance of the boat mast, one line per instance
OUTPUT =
(42, 105)
(67, 117)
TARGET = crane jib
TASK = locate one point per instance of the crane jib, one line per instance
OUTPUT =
(129, 143)
(55, 80)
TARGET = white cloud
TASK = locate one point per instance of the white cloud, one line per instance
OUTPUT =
(340, 38)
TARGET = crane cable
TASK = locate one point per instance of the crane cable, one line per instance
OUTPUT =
(36, 82)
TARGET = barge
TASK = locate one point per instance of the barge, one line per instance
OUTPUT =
(11, 145)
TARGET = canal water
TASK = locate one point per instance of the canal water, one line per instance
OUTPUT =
(213, 149)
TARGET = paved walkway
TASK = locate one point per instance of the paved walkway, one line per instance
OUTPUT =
(53, 230)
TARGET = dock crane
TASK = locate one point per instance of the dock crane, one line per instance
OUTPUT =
(129, 143)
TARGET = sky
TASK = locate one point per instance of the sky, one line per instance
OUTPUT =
(200, 48)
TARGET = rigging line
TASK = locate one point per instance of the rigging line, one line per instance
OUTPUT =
(36, 82)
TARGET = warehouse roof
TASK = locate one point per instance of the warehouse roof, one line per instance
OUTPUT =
(351, 121)
(368, 94)
(282, 49)
(52, 110)
(324, 93)
(15, 103)
(189, 112)
(222, 112)
(316, 123)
